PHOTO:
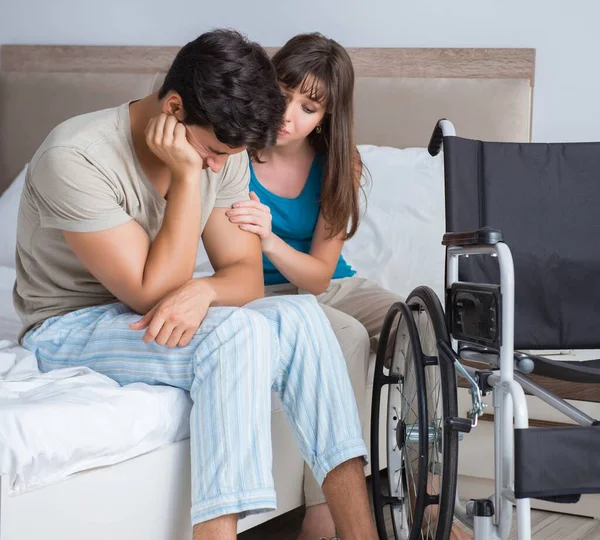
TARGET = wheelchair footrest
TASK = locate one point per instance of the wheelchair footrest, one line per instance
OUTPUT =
(557, 464)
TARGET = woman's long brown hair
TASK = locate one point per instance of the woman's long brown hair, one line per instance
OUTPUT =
(322, 69)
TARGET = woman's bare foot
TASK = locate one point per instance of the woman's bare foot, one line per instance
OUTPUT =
(317, 523)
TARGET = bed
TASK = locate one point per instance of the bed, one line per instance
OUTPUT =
(141, 489)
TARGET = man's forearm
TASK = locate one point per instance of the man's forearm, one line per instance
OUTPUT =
(237, 284)
(172, 255)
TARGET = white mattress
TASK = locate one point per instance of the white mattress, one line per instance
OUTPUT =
(56, 424)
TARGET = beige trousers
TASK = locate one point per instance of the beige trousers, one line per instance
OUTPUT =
(356, 308)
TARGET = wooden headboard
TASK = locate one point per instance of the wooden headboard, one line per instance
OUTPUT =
(400, 93)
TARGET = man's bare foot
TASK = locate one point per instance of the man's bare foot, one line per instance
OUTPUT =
(317, 523)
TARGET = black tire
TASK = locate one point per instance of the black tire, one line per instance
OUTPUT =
(440, 381)
(421, 395)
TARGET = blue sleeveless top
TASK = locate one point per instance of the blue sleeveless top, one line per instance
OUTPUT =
(294, 220)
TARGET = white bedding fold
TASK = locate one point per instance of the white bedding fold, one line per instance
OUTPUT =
(58, 423)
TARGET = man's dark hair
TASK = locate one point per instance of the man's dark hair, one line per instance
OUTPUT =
(228, 82)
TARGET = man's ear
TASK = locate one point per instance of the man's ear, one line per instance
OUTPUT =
(173, 105)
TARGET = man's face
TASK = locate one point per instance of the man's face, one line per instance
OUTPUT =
(213, 152)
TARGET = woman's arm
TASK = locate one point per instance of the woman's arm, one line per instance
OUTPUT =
(312, 271)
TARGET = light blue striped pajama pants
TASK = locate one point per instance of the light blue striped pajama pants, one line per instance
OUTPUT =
(236, 358)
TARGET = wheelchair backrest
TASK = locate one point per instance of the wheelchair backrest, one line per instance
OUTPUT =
(545, 198)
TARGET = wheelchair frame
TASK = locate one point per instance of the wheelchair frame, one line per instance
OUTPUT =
(507, 380)
(508, 399)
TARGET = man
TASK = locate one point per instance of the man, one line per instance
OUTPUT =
(114, 207)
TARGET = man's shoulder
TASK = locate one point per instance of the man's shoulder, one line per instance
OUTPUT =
(78, 135)
(239, 158)
(80, 140)
(236, 165)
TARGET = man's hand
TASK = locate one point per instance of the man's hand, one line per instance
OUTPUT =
(176, 318)
(167, 139)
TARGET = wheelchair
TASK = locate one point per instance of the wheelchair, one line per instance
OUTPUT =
(501, 304)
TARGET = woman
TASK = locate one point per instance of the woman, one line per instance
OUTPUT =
(305, 194)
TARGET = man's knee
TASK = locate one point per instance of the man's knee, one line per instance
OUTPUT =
(249, 329)
(245, 342)
(251, 319)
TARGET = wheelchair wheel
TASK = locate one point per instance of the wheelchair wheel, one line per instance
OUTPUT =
(422, 450)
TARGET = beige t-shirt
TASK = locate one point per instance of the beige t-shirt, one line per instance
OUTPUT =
(85, 177)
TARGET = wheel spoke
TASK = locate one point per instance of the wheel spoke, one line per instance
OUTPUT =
(422, 385)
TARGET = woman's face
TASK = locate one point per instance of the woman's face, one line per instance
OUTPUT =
(302, 116)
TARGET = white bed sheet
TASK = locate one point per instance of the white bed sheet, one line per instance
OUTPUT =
(56, 424)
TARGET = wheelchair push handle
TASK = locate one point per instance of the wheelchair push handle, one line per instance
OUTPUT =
(443, 128)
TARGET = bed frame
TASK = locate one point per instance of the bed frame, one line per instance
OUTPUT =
(400, 93)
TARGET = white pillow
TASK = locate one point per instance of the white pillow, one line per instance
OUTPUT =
(398, 243)
(9, 210)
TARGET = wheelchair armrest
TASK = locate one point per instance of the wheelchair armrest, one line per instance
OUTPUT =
(479, 237)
